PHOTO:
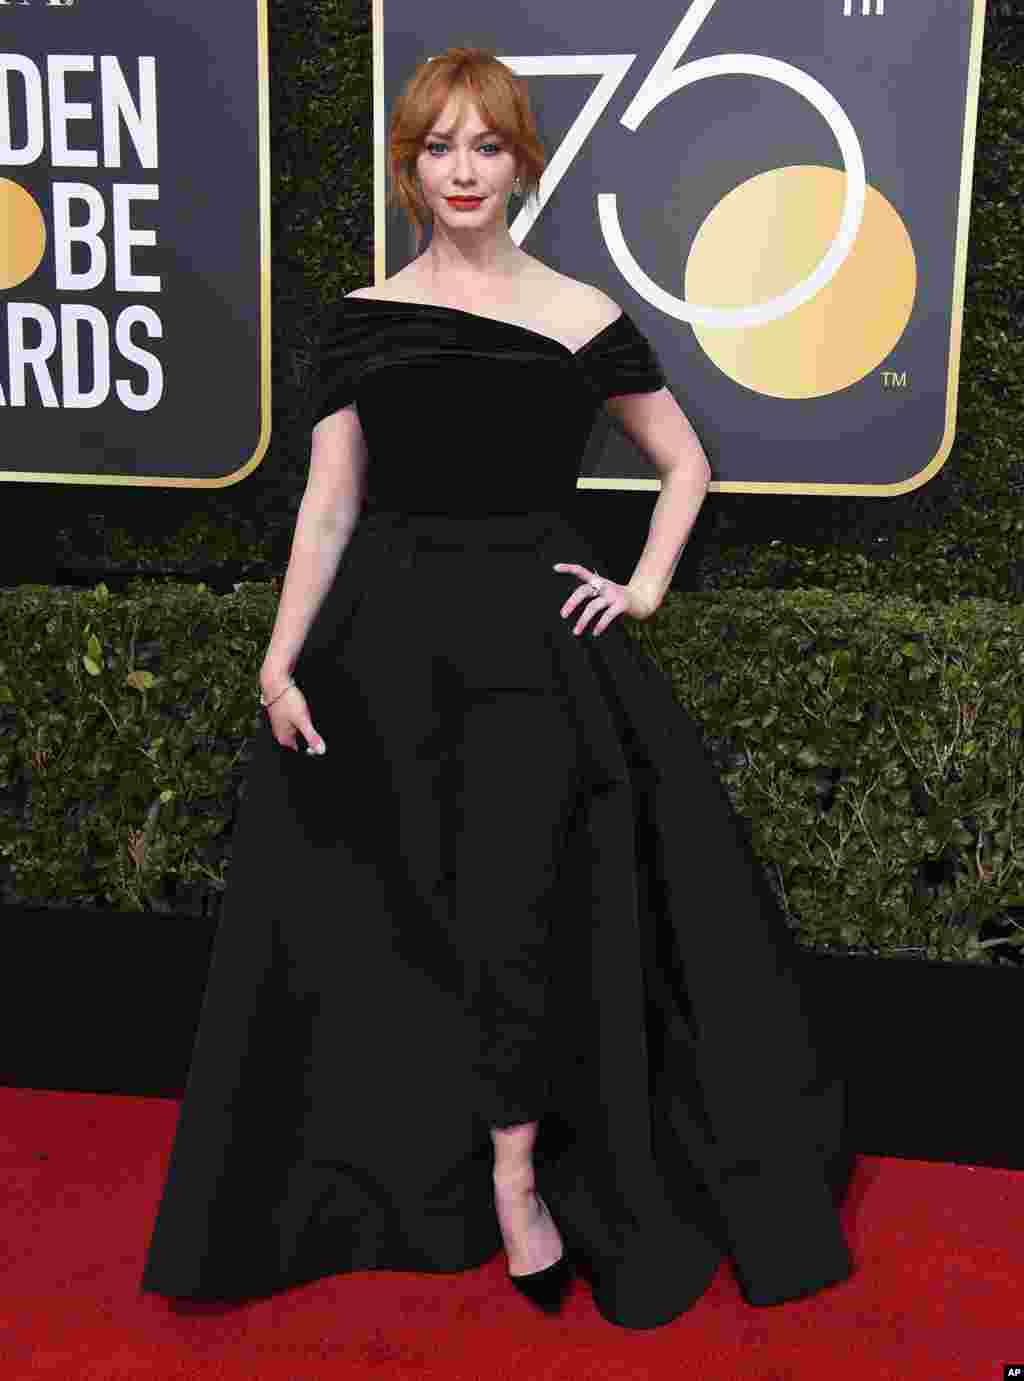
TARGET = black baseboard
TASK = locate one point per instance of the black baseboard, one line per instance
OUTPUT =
(108, 1002)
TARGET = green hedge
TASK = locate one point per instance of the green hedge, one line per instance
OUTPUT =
(125, 724)
(874, 746)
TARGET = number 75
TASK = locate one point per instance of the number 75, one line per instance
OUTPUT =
(662, 81)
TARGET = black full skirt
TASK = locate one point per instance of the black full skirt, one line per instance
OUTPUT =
(330, 1122)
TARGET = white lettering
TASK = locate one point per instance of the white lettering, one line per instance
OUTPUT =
(24, 97)
(38, 359)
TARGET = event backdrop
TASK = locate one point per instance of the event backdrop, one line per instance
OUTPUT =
(134, 241)
(777, 193)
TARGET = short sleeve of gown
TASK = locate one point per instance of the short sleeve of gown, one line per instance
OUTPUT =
(624, 361)
(345, 344)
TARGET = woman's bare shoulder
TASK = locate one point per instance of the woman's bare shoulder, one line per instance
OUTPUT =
(597, 297)
(589, 304)
(568, 308)
(395, 288)
(573, 292)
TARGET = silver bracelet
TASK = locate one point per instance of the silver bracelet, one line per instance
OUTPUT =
(267, 703)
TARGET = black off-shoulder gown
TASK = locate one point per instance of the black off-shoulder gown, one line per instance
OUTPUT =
(329, 1123)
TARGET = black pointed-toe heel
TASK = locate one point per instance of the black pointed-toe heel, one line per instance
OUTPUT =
(546, 1289)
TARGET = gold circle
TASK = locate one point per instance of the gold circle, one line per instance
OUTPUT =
(23, 237)
(770, 233)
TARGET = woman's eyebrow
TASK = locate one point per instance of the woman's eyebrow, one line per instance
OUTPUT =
(447, 133)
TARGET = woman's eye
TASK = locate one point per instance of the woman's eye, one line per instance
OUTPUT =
(431, 147)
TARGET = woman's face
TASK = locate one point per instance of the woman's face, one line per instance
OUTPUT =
(465, 159)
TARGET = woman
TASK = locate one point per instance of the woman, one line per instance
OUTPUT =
(497, 929)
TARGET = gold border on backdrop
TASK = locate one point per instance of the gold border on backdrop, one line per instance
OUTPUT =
(959, 276)
(184, 481)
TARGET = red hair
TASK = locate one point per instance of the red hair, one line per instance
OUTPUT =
(472, 75)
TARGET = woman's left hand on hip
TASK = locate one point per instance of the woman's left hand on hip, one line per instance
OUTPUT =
(613, 600)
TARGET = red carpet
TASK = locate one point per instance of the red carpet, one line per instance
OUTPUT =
(938, 1290)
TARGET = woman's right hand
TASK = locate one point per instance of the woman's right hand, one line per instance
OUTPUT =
(289, 716)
